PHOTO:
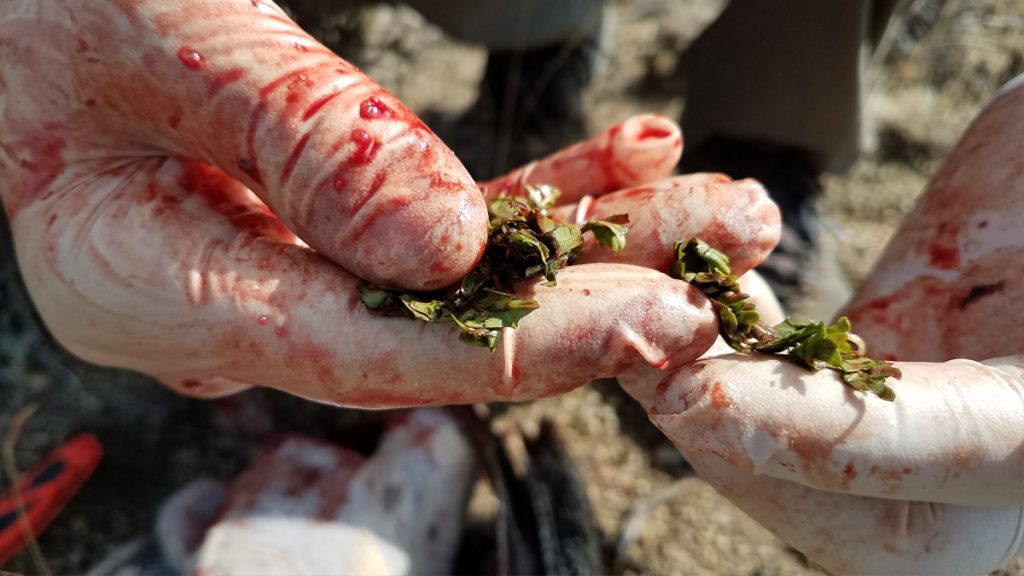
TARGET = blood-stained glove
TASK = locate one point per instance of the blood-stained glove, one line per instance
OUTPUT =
(197, 189)
(932, 483)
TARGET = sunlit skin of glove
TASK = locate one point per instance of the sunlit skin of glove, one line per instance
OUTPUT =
(932, 483)
(197, 188)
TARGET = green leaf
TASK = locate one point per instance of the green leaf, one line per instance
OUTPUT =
(786, 335)
(508, 208)
(610, 233)
(728, 319)
(699, 255)
(426, 310)
(523, 242)
(374, 298)
(541, 196)
(506, 308)
(544, 224)
(565, 239)
(528, 242)
(747, 316)
(477, 278)
(477, 336)
(718, 260)
(551, 268)
(814, 344)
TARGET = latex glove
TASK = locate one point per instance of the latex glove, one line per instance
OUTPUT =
(306, 506)
(932, 483)
(160, 161)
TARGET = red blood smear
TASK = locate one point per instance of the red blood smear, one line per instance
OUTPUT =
(200, 178)
(884, 302)
(366, 148)
(439, 183)
(225, 78)
(190, 58)
(372, 108)
(152, 191)
(720, 399)
(291, 79)
(318, 104)
(174, 121)
(293, 159)
(944, 256)
(441, 267)
(43, 162)
(357, 205)
(378, 181)
(390, 206)
(944, 251)
(649, 132)
(216, 186)
(191, 384)
(849, 474)
(641, 193)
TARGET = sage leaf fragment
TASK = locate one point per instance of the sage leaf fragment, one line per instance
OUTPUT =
(816, 345)
(523, 242)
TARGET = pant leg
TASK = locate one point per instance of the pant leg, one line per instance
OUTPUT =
(788, 72)
(513, 25)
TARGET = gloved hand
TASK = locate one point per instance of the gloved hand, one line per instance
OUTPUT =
(197, 188)
(932, 483)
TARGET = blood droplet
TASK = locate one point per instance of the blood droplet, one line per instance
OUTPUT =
(372, 108)
(263, 320)
(190, 58)
(366, 148)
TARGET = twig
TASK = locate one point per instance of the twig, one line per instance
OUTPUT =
(13, 433)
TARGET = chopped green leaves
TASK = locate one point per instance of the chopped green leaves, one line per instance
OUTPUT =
(610, 233)
(481, 325)
(523, 242)
(815, 344)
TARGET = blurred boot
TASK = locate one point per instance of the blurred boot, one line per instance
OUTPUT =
(534, 99)
(541, 56)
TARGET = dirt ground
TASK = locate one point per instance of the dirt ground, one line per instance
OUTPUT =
(929, 78)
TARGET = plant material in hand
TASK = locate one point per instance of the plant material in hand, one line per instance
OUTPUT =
(523, 242)
(814, 344)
